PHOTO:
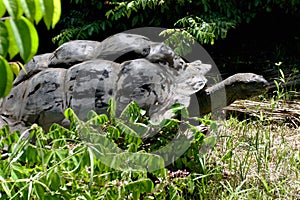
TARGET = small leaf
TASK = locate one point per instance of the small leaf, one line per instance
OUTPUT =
(210, 141)
(213, 126)
(131, 112)
(26, 37)
(128, 13)
(13, 8)
(281, 74)
(227, 156)
(103, 25)
(135, 20)
(15, 68)
(3, 39)
(6, 77)
(22, 67)
(74, 120)
(130, 5)
(141, 185)
(180, 109)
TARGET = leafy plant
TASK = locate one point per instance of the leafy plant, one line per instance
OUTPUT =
(285, 85)
(18, 34)
(105, 157)
(206, 21)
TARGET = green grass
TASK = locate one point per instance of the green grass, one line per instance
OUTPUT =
(255, 161)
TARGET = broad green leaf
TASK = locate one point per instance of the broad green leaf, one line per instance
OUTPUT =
(51, 10)
(13, 8)
(31, 9)
(38, 12)
(2, 8)
(12, 47)
(42, 6)
(6, 77)
(56, 13)
(26, 37)
(4, 40)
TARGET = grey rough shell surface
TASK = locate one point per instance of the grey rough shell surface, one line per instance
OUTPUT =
(118, 48)
(84, 75)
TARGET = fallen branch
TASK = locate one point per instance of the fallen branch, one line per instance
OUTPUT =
(278, 111)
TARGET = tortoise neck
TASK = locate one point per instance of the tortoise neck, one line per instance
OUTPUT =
(217, 96)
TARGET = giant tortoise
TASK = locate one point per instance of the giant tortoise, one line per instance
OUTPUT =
(84, 75)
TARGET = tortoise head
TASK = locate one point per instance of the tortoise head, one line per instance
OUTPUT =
(245, 85)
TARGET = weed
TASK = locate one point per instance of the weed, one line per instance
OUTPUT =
(285, 85)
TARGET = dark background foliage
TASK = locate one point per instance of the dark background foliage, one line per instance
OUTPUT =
(242, 36)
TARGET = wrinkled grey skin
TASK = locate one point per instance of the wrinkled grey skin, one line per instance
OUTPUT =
(84, 75)
(237, 86)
